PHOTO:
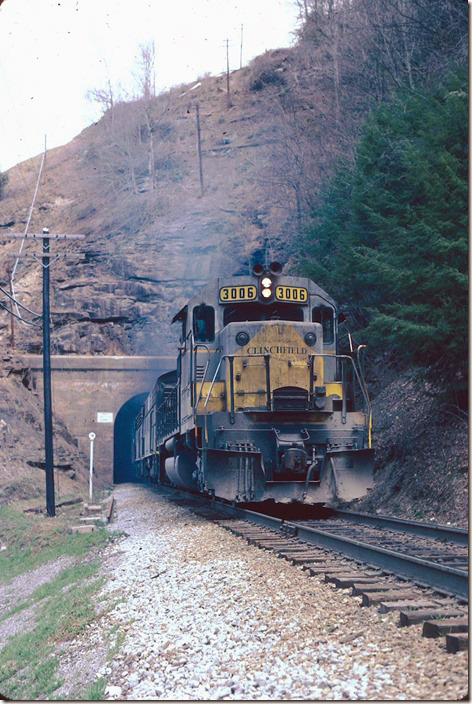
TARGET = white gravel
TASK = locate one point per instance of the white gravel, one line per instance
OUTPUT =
(208, 617)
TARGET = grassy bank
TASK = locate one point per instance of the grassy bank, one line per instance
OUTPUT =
(31, 540)
(55, 611)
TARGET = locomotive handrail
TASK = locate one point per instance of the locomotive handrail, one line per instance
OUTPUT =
(362, 387)
(358, 352)
(193, 371)
(201, 386)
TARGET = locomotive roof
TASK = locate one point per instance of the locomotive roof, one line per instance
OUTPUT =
(209, 292)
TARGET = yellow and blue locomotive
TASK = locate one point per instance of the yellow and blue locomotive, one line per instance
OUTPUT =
(261, 405)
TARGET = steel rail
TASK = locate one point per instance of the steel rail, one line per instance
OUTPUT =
(459, 536)
(444, 579)
(448, 579)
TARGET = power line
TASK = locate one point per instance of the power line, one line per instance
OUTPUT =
(12, 276)
(38, 315)
(26, 322)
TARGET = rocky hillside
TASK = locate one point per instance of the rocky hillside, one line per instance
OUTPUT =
(149, 246)
(22, 441)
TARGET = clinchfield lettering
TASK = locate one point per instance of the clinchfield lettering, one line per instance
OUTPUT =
(275, 349)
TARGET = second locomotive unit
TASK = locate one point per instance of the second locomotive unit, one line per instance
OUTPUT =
(261, 404)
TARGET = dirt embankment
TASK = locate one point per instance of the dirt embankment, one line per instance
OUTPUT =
(421, 448)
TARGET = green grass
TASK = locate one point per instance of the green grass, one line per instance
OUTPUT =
(31, 541)
(27, 662)
(65, 604)
(95, 691)
(48, 589)
(118, 642)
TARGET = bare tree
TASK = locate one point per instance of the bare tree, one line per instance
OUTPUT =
(146, 79)
(129, 128)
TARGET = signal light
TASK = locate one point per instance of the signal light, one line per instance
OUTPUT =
(266, 292)
(266, 282)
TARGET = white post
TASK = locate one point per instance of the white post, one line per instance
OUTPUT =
(92, 438)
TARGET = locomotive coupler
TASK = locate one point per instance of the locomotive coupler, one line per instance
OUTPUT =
(291, 452)
(294, 459)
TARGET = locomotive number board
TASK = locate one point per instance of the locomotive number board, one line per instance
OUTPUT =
(291, 293)
(238, 293)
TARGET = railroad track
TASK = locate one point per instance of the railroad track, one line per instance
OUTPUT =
(415, 569)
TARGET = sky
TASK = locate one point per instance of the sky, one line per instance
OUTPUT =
(52, 53)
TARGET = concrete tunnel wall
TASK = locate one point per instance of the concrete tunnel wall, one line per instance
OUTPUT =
(86, 387)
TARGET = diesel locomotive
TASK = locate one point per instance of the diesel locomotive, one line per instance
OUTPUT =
(261, 404)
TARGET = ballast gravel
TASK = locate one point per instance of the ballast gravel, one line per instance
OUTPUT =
(205, 616)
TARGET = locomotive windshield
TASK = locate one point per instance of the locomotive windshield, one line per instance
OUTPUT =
(243, 312)
(204, 323)
(325, 316)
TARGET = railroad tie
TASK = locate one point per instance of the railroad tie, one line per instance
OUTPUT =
(244, 532)
(395, 594)
(360, 588)
(343, 581)
(329, 568)
(408, 617)
(308, 559)
(457, 641)
(387, 606)
(441, 627)
(275, 546)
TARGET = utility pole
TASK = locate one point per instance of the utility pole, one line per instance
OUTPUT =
(46, 261)
(48, 444)
(228, 96)
(199, 140)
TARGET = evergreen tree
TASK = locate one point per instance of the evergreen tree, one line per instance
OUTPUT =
(391, 233)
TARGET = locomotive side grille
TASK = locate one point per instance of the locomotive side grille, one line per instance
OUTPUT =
(290, 398)
(199, 372)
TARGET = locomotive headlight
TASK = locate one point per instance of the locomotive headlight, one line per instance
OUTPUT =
(266, 292)
(242, 338)
(310, 339)
(266, 282)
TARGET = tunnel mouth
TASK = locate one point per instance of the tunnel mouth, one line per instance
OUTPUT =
(123, 468)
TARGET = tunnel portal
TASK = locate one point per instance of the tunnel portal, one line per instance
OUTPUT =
(123, 470)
